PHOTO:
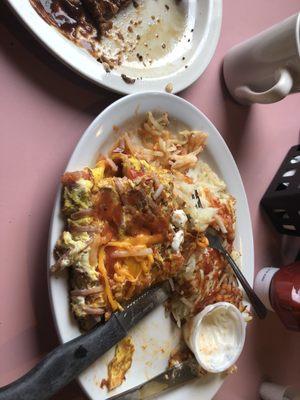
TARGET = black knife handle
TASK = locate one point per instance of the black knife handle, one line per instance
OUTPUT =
(64, 363)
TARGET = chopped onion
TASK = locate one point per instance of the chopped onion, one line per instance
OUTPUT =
(162, 145)
(186, 161)
(59, 264)
(156, 180)
(171, 284)
(129, 144)
(85, 228)
(150, 129)
(155, 153)
(133, 252)
(87, 212)
(111, 164)
(186, 302)
(119, 185)
(154, 122)
(93, 311)
(87, 292)
(158, 192)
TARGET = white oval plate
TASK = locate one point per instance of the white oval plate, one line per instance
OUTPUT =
(156, 332)
(197, 48)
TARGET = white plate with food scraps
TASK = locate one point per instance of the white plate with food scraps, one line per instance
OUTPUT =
(156, 336)
(160, 45)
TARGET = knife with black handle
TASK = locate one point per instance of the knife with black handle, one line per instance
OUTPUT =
(68, 360)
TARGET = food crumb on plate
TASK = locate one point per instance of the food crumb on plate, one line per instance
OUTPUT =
(169, 88)
(232, 370)
(127, 79)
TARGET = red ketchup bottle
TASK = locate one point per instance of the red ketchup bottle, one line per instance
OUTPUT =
(279, 290)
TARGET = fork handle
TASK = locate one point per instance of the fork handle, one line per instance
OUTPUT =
(256, 303)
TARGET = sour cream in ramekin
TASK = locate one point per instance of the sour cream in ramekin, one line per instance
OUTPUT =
(216, 336)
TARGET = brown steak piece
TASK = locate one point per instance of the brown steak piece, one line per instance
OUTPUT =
(102, 11)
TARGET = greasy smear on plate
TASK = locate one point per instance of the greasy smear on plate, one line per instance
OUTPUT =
(132, 33)
(71, 20)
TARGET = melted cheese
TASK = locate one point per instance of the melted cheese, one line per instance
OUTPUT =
(142, 239)
(130, 270)
(114, 304)
(132, 267)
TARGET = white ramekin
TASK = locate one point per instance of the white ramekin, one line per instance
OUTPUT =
(192, 329)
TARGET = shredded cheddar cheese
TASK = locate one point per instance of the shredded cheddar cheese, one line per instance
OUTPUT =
(130, 269)
(114, 304)
(147, 264)
(141, 239)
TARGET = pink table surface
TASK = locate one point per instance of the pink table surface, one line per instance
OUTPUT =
(44, 110)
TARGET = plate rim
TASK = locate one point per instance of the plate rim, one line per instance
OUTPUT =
(181, 79)
(95, 123)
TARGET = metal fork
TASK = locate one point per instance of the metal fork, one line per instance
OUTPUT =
(215, 242)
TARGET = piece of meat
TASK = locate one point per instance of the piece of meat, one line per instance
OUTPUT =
(102, 11)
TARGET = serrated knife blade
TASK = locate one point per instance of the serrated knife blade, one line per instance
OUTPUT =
(167, 380)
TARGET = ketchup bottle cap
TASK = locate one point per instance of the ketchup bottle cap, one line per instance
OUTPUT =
(262, 285)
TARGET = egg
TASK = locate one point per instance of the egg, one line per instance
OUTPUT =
(121, 363)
